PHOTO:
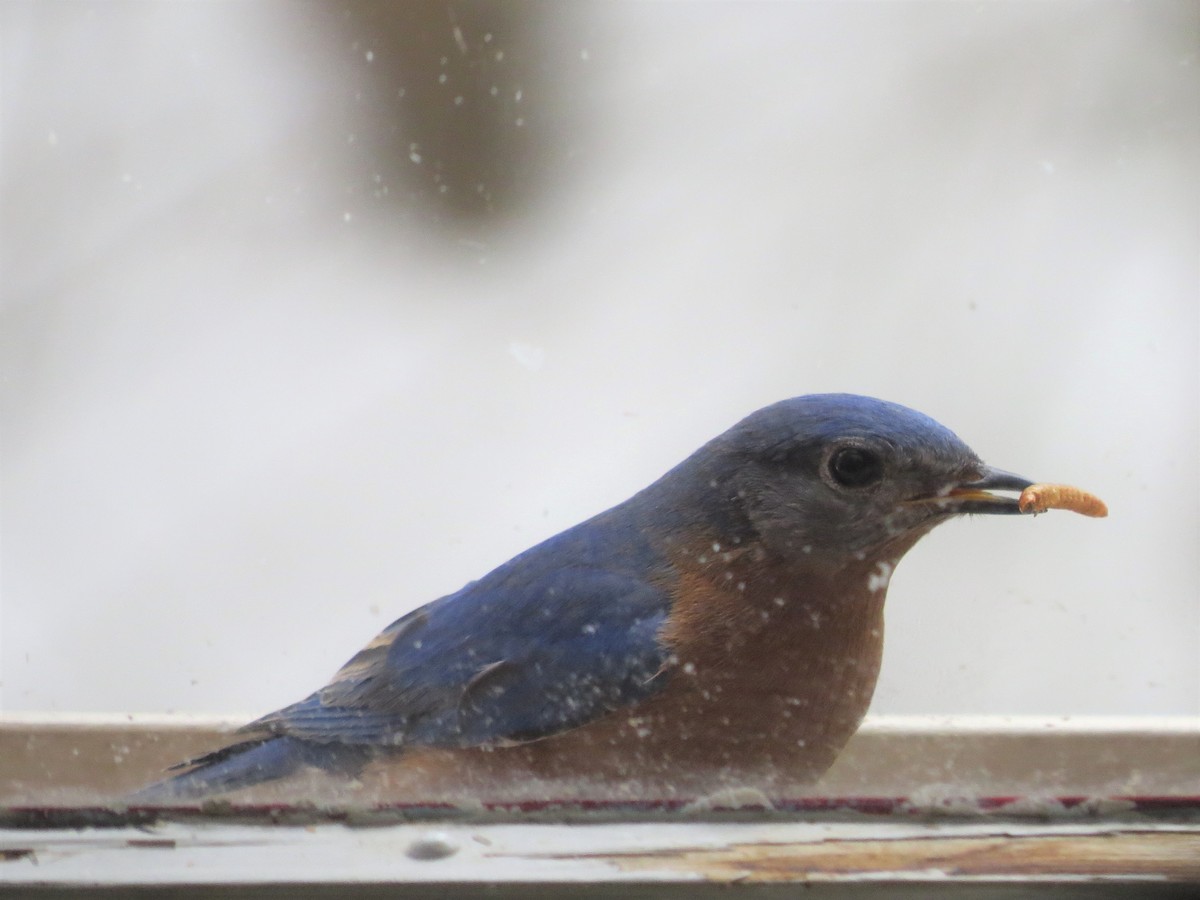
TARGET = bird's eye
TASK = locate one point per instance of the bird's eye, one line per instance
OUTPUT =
(855, 467)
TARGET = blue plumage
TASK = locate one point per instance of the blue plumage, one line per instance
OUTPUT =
(497, 662)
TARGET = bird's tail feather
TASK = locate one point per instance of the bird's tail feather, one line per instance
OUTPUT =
(248, 763)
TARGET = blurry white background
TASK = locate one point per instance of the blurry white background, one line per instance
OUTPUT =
(312, 313)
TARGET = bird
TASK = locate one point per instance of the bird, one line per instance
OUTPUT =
(722, 628)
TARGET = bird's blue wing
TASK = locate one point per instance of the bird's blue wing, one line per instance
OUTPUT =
(503, 660)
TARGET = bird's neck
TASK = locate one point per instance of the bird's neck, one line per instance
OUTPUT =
(731, 599)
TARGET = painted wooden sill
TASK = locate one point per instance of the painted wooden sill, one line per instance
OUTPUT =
(914, 804)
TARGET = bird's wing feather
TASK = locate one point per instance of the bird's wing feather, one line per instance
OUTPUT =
(501, 661)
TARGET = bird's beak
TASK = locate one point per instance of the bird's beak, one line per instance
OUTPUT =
(977, 497)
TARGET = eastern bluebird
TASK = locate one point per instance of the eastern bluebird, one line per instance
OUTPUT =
(723, 626)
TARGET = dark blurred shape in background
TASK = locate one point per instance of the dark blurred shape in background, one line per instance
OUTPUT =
(465, 107)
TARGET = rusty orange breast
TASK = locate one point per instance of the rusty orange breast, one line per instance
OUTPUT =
(773, 670)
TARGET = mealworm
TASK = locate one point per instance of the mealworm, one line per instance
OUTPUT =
(1038, 498)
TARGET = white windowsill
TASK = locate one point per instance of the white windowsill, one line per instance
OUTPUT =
(1141, 824)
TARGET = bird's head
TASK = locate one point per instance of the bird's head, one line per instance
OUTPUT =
(848, 477)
